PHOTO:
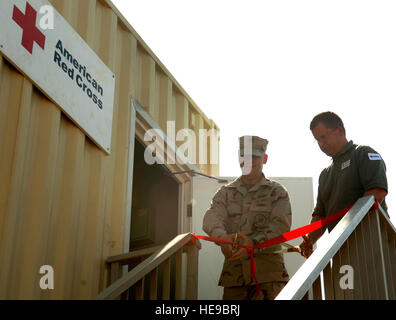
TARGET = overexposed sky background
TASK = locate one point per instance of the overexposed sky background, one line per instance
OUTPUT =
(266, 68)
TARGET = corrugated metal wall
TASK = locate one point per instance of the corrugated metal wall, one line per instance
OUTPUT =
(62, 200)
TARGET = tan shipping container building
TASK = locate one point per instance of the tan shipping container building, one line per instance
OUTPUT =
(64, 202)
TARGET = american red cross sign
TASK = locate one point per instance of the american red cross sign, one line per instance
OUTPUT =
(61, 64)
(27, 22)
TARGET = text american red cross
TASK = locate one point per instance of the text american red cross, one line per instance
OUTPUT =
(27, 22)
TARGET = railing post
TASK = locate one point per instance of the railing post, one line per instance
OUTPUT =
(192, 272)
(362, 263)
(153, 284)
(115, 271)
(389, 250)
(178, 274)
(381, 257)
(317, 289)
(166, 271)
(356, 262)
(139, 289)
(328, 282)
(115, 274)
(338, 291)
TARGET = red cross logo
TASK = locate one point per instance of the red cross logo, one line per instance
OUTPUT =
(27, 22)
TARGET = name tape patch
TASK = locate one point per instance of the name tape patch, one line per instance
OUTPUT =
(374, 156)
(345, 164)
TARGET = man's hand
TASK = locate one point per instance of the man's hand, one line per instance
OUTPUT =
(306, 247)
(242, 252)
(378, 193)
(226, 249)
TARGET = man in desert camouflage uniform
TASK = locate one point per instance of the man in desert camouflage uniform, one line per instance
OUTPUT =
(257, 209)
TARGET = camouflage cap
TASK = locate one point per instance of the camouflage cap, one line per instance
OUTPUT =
(254, 145)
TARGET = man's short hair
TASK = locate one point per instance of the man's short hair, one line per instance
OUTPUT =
(329, 119)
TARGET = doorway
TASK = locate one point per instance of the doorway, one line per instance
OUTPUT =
(155, 203)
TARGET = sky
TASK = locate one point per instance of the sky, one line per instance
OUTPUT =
(266, 68)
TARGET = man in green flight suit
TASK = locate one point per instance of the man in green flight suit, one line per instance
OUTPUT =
(251, 209)
(356, 171)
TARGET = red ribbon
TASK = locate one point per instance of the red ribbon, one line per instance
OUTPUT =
(293, 234)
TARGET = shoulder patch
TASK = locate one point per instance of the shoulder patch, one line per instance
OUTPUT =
(374, 156)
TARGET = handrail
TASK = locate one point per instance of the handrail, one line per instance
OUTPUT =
(303, 279)
(128, 257)
(144, 268)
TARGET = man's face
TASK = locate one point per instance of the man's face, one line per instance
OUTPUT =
(330, 141)
(252, 165)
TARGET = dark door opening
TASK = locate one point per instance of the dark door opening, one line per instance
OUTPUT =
(155, 198)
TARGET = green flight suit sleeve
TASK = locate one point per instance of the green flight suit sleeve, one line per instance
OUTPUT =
(372, 169)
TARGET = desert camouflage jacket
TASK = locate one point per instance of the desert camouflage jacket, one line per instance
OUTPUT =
(261, 212)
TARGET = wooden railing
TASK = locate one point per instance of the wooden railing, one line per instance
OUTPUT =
(151, 260)
(357, 260)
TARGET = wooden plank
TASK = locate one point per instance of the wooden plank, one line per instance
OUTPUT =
(317, 289)
(166, 272)
(186, 223)
(392, 258)
(345, 261)
(165, 101)
(182, 113)
(391, 242)
(353, 256)
(95, 194)
(145, 267)
(363, 262)
(63, 233)
(85, 21)
(12, 217)
(373, 248)
(192, 273)
(37, 198)
(125, 295)
(62, 237)
(139, 289)
(153, 284)
(11, 110)
(366, 242)
(328, 282)
(115, 272)
(111, 214)
(379, 252)
(336, 275)
(127, 258)
(148, 81)
(178, 275)
(130, 146)
(387, 262)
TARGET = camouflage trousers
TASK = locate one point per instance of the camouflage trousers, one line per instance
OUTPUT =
(269, 291)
